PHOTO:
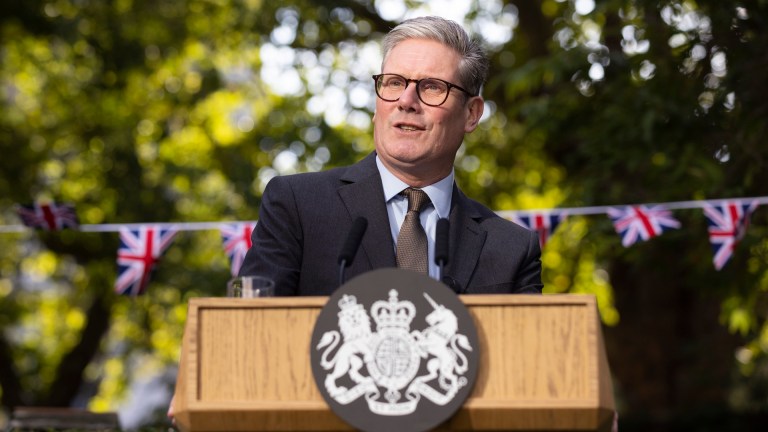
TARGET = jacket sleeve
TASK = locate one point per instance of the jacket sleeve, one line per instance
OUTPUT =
(528, 277)
(276, 250)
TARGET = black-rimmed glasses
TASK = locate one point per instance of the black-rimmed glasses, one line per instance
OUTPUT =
(431, 91)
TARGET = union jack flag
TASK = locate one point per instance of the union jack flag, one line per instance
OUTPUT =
(50, 217)
(641, 222)
(728, 223)
(140, 249)
(237, 240)
(544, 223)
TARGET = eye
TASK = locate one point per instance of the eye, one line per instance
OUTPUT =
(394, 82)
(433, 86)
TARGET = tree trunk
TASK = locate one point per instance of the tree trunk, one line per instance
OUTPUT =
(69, 375)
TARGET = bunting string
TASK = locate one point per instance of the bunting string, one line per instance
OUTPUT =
(675, 205)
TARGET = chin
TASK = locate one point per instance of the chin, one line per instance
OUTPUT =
(407, 156)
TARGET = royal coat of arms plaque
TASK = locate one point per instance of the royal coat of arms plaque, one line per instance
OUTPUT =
(394, 350)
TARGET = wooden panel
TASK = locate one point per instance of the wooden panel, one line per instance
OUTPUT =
(531, 352)
(256, 356)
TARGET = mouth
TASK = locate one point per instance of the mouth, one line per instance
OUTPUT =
(408, 127)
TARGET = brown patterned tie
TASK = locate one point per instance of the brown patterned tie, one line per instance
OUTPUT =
(412, 240)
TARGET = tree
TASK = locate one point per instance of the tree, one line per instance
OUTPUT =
(663, 109)
(147, 111)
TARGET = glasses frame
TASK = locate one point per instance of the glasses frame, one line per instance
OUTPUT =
(377, 78)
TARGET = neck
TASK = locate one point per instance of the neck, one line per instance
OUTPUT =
(418, 178)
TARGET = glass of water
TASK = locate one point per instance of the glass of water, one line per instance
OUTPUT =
(250, 287)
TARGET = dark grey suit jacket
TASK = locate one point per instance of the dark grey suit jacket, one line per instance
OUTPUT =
(305, 218)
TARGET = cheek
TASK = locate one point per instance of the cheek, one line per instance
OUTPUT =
(380, 116)
(382, 109)
(451, 125)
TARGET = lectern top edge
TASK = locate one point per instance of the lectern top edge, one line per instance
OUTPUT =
(469, 299)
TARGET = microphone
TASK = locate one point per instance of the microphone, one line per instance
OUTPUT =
(354, 238)
(441, 246)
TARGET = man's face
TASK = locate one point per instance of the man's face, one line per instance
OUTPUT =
(415, 141)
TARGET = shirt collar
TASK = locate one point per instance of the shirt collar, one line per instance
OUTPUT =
(439, 193)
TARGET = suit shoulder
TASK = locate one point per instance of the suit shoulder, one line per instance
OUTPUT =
(307, 178)
(331, 177)
(492, 220)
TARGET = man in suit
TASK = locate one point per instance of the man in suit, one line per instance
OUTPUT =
(428, 98)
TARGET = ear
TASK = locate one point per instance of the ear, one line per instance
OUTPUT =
(475, 106)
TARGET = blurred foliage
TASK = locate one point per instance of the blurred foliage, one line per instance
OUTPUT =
(171, 110)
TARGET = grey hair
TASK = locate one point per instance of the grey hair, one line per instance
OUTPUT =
(474, 65)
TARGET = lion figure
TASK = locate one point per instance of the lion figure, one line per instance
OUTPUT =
(354, 352)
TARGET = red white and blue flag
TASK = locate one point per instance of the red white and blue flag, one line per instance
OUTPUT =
(728, 223)
(140, 249)
(49, 216)
(544, 223)
(641, 222)
(237, 240)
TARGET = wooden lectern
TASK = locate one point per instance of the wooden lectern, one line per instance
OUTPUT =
(245, 366)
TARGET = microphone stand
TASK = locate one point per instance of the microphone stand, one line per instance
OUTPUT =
(441, 246)
(342, 268)
(440, 269)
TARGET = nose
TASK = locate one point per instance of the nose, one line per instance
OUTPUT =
(409, 100)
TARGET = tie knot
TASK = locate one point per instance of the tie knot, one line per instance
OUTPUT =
(417, 199)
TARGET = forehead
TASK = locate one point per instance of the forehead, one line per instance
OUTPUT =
(421, 58)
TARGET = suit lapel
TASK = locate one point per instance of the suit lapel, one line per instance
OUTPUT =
(363, 196)
(466, 239)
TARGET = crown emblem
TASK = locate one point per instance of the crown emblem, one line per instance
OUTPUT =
(393, 313)
(348, 306)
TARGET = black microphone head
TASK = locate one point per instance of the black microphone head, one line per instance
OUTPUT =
(441, 241)
(354, 238)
